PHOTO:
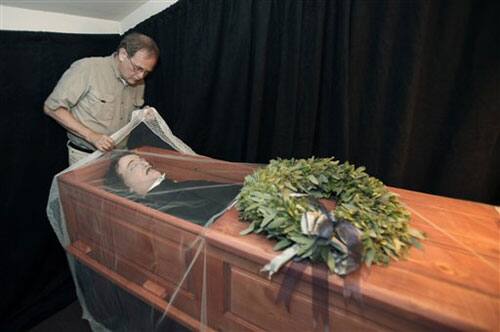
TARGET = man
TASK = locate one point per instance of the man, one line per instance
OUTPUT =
(96, 96)
(196, 201)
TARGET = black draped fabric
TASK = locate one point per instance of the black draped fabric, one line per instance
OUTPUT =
(118, 310)
(35, 279)
(410, 89)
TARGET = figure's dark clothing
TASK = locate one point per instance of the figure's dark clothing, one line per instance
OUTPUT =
(196, 201)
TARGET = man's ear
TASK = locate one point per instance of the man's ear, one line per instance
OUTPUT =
(122, 54)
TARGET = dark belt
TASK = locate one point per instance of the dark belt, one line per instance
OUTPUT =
(79, 148)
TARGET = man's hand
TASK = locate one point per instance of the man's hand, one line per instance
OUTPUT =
(102, 142)
(73, 125)
(149, 113)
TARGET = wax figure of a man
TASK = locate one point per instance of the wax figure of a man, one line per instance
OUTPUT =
(96, 96)
(196, 201)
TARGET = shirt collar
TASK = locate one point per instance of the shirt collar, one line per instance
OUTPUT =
(157, 182)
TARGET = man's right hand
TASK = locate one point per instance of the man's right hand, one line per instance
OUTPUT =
(101, 142)
(67, 120)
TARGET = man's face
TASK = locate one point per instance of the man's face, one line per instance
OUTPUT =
(134, 69)
(137, 173)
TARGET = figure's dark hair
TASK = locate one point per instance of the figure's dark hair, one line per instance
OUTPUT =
(112, 180)
(135, 41)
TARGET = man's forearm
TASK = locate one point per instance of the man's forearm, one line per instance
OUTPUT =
(69, 122)
(73, 125)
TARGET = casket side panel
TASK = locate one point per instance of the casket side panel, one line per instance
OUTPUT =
(242, 299)
(445, 285)
(122, 278)
(145, 248)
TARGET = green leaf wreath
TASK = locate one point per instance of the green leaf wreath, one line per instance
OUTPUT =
(275, 199)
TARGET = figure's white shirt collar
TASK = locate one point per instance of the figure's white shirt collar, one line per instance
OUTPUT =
(157, 182)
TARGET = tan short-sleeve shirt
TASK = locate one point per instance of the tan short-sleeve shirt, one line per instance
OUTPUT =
(93, 90)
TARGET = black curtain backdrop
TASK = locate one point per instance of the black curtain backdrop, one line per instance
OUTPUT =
(35, 279)
(409, 89)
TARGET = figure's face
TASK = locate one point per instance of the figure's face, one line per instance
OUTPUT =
(137, 173)
(134, 69)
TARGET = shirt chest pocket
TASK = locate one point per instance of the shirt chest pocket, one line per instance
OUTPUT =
(100, 106)
(138, 102)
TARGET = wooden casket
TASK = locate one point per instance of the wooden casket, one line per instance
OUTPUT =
(453, 283)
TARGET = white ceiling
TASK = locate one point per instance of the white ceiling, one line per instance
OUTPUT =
(114, 10)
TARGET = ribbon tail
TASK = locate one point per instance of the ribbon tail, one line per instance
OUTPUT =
(277, 262)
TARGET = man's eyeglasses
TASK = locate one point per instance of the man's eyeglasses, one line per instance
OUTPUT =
(136, 68)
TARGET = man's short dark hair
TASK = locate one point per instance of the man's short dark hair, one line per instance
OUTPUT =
(134, 41)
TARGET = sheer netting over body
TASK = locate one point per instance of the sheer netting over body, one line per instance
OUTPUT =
(155, 243)
(139, 258)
